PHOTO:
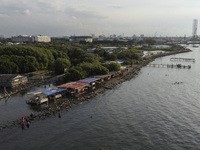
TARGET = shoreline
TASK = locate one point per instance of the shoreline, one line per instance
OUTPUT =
(67, 103)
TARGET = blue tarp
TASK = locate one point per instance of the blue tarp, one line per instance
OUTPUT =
(120, 60)
(89, 79)
(52, 91)
(19, 77)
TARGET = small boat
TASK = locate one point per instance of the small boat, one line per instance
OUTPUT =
(38, 99)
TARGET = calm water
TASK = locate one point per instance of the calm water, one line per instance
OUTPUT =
(147, 112)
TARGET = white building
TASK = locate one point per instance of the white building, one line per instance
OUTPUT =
(31, 38)
(41, 38)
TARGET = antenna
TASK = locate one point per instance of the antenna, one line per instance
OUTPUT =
(155, 34)
(194, 29)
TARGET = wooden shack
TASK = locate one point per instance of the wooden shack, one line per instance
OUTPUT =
(115, 73)
(54, 93)
(38, 99)
(92, 81)
(75, 88)
(106, 77)
(12, 80)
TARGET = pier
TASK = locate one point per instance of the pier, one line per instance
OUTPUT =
(183, 59)
(178, 66)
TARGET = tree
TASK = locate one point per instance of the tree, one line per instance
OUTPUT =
(31, 64)
(150, 41)
(6, 66)
(141, 42)
(129, 54)
(93, 68)
(77, 56)
(61, 64)
(111, 57)
(74, 74)
(113, 66)
(131, 42)
(28, 58)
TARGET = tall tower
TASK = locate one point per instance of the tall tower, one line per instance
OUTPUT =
(194, 29)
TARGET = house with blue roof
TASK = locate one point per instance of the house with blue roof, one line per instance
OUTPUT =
(54, 93)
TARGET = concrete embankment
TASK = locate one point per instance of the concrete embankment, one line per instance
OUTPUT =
(66, 103)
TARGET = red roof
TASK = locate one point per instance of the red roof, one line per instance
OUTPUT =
(72, 85)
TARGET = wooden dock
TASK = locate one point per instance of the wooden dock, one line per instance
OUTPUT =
(183, 59)
(178, 66)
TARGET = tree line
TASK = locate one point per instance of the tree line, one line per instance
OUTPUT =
(59, 58)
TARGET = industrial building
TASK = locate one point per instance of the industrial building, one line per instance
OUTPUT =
(21, 38)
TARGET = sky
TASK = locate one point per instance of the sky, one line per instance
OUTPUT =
(85, 17)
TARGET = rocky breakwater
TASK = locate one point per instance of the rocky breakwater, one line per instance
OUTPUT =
(136, 68)
(51, 110)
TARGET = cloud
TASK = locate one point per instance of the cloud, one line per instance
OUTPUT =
(3, 16)
(84, 14)
(90, 16)
(115, 7)
(22, 12)
(27, 12)
(13, 8)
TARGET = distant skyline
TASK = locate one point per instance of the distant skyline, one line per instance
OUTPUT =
(86, 17)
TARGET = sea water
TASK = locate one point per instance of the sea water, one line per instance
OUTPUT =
(157, 109)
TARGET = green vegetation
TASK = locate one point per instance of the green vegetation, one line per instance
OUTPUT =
(129, 54)
(120, 43)
(59, 56)
(110, 42)
(25, 59)
(78, 55)
(106, 55)
(84, 70)
(5, 40)
(174, 48)
(61, 64)
(113, 66)
(150, 48)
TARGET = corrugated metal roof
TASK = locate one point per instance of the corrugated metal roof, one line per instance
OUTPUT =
(19, 77)
(8, 77)
(89, 79)
(72, 85)
(53, 91)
